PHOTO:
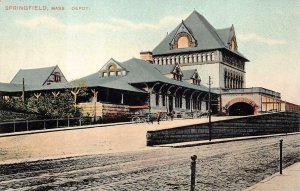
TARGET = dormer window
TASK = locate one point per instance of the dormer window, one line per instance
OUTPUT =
(233, 44)
(112, 69)
(177, 74)
(183, 38)
(196, 79)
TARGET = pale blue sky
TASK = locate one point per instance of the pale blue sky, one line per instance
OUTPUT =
(80, 42)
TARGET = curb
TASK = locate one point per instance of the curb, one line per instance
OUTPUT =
(268, 178)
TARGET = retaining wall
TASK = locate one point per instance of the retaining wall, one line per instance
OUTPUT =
(282, 122)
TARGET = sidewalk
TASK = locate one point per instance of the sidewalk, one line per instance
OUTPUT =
(288, 181)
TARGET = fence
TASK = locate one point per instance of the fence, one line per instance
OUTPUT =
(28, 125)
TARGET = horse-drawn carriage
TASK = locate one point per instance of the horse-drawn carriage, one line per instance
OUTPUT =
(149, 117)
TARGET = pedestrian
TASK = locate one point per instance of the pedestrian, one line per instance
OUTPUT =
(158, 117)
(172, 115)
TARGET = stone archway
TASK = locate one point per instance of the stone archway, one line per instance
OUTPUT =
(241, 106)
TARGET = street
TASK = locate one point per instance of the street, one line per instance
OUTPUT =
(225, 166)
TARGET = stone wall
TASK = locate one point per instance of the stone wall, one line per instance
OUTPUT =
(245, 126)
(91, 108)
(104, 110)
(114, 110)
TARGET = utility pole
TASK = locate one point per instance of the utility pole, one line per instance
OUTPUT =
(23, 91)
(209, 107)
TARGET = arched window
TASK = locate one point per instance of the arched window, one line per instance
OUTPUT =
(113, 70)
(183, 42)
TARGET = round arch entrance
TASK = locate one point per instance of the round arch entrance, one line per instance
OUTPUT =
(240, 109)
(241, 106)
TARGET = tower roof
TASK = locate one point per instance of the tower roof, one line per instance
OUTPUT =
(206, 36)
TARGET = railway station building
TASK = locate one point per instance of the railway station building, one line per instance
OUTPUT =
(174, 76)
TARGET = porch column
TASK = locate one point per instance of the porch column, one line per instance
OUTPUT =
(152, 100)
(160, 101)
(167, 103)
(174, 99)
(183, 103)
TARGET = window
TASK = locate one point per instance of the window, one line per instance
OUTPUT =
(113, 70)
(177, 74)
(177, 77)
(57, 77)
(196, 79)
(183, 42)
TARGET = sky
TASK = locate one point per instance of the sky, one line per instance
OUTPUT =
(83, 36)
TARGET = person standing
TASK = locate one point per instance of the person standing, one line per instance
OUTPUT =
(172, 115)
(158, 117)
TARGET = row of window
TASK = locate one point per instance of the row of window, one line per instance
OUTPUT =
(197, 104)
(232, 80)
(234, 61)
(192, 58)
(111, 73)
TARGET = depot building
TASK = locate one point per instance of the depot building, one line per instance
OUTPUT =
(174, 76)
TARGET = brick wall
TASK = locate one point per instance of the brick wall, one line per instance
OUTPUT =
(246, 126)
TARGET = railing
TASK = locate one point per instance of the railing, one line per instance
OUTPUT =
(253, 90)
(28, 125)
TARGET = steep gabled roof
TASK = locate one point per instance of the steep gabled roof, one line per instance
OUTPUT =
(207, 37)
(165, 69)
(203, 32)
(225, 35)
(188, 74)
(141, 71)
(138, 71)
(37, 76)
(113, 82)
(110, 61)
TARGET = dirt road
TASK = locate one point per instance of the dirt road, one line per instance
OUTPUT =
(226, 166)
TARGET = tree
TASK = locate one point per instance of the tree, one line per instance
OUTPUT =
(50, 106)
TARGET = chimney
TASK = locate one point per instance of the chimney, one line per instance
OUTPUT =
(147, 56)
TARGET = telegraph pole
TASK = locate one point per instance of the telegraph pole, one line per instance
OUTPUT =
(23, 91)
(209, 107)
